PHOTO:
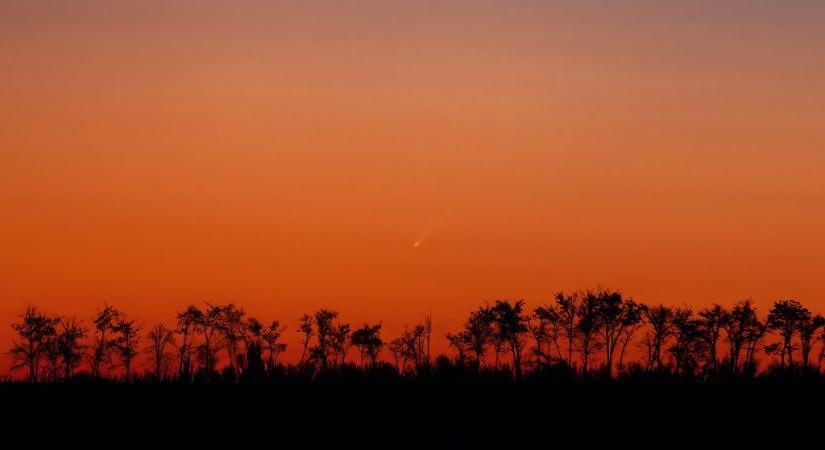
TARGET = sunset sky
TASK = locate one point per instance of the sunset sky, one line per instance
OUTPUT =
(288, 155)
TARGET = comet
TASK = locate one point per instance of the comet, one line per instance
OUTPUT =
(425, 233)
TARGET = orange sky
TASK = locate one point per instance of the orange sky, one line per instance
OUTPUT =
(286, 157)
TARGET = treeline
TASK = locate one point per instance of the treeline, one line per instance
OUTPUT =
(594, 334)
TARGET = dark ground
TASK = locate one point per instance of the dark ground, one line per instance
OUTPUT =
(415, 415)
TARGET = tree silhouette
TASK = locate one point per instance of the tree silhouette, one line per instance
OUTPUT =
(53, 370)
(415, 342)
(209, 326)
(271, 336)
(126, 342)
(320, 354)
(255, 342)
(609, 309)
(36, 331)
(511, 323)
(687, 341)
(187, 322)
(409, 346)
(396, 348)
(102, 347)
(660, 320)
(807, 328)
(555, 330)
(821, 338)
(738, 327)
(784, 318)
(459, 342)
(706, 345)
(477, 331)
(632, 320)
(427, 333)
(69, 345)
(539, 326)
(497, 341)
(160, 338)
(306, 329)
(711, 322)
(566, 307)
(587, 326)
(368, 341)
(229, 321)
(754, 334)
(340, 342)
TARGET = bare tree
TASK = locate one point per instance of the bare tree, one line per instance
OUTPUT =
(660, 320)
(549, 323)
(784, 318)
(340, 342)
(53, 369)
(566, 306)
(396, 348)
(254, 343)
(539, 326)
(36, 332)
(807, 328)
(511, 323)
(126, 343)
(230, 324)
(321, 353)
(271, 336)
(739, 322)
(821, 338)
(497, 341)
(160, 339)
(368, 341)
(187, 321)
(209, 326)
(610, 324)
(686, 340)
(415, 341)
(69, 345)
(410, 350)
(102, 346)
(711, 322)
(306, 329)
(460, 342)
(633, 320)
(477, 330)
(587, 326)
(427, 326)
(754, 334)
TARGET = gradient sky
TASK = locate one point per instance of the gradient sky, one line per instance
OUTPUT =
(287, 155)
